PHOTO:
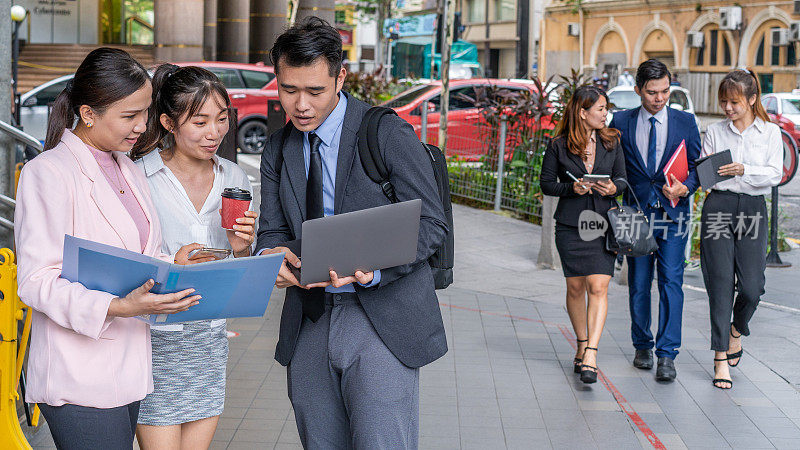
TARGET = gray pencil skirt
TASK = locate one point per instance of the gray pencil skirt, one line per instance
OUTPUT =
(188, 375)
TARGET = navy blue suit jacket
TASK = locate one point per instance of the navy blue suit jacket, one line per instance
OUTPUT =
(680, 125)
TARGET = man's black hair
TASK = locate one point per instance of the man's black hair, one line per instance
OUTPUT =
(652, 69)
(305, 42)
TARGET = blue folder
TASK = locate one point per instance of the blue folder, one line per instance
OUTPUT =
(231, 288)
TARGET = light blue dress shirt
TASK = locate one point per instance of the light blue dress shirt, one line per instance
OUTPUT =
(330, 132)
(643, 133)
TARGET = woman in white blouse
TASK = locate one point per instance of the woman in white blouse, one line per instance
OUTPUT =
(733, 241)
(189, 118)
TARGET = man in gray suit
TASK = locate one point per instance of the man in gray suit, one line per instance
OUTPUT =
(352, 346)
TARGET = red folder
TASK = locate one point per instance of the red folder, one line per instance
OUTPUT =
(678, 165)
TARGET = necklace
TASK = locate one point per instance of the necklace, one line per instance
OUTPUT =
(119, 182)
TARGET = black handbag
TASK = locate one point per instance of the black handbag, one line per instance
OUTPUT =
(629, 230)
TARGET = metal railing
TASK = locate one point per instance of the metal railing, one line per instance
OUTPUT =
(19, 137)
(492, 165)
(129, 22)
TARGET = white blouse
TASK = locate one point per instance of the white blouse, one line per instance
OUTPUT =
(181, 224)
(759, 148)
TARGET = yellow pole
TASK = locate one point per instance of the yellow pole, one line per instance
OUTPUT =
(11, 436)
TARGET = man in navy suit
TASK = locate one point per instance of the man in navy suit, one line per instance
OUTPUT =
(650, 135)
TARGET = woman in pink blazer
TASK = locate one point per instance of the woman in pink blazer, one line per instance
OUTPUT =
(89, 360)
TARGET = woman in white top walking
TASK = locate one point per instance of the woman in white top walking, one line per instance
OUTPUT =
(733, 240)
(188, 119)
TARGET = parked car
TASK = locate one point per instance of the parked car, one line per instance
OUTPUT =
(252, 89)
(784, 110)
(624, 97)
(464, 120)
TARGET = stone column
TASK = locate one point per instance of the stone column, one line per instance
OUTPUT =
(210, 30)
(178, 30)
(324, 9)
(233, 27)
(268, 19)
(548, 254)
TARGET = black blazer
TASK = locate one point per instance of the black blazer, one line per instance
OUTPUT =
(555, 181)
(403, 308)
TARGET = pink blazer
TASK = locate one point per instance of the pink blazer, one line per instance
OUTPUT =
(77, 355)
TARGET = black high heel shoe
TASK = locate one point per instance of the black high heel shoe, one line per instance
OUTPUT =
(721, 380)
(576, 363)
(589, 373)
(737, 355)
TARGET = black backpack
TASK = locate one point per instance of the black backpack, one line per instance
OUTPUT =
(441, 261)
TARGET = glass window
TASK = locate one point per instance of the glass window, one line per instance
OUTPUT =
(476, 11)
(254, 79)
(770, 105)
(624, 99)
(404, 98)
(712, 48)
(48, 95)
(791, 106)
(791, 54)
(458, 102)
(229, 77)
(505, 10)
(701, 54)
(760, 52)
(726, 51)
(775, 58)
(678, 98)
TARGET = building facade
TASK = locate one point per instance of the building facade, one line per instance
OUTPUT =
(506, 33)
(700, 42)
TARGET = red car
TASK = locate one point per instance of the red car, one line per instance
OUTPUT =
(465, 124)
(254, 93)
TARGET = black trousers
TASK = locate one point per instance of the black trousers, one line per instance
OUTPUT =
(82, 428)
(733, 254)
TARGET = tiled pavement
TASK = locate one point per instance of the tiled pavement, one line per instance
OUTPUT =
(507, 380)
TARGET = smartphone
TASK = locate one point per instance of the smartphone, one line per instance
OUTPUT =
(218, 253)
(594, 178)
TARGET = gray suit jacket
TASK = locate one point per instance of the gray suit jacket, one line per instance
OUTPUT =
(403, 307)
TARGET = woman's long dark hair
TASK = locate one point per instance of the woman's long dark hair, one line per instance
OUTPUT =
(571, 125)
(743, 84)
(106, 76)
(178, 92)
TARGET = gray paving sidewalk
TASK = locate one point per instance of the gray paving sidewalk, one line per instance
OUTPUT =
(507, 381)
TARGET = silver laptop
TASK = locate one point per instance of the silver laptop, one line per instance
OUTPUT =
(365, 240)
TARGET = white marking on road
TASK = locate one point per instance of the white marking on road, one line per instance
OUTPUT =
(762, 302)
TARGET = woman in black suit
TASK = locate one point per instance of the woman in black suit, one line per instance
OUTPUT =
(584, 146)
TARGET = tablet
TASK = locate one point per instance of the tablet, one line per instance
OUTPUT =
(366, 240)
(594, 178)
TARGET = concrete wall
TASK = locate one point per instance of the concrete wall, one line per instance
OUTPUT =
(69, 22)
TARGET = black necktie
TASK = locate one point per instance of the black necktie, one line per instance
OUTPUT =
(314, 299)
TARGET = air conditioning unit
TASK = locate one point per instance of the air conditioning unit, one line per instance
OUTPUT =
(574, 29)
(730, 17)
(695, 39)
(780, 37)
(797, 6)
(794, 31)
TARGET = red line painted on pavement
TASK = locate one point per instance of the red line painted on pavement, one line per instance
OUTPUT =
(620, 399)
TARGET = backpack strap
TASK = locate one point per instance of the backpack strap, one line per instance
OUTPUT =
(369, 151)
(285, 133)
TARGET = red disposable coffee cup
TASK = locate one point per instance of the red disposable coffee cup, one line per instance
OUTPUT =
(235, 202)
